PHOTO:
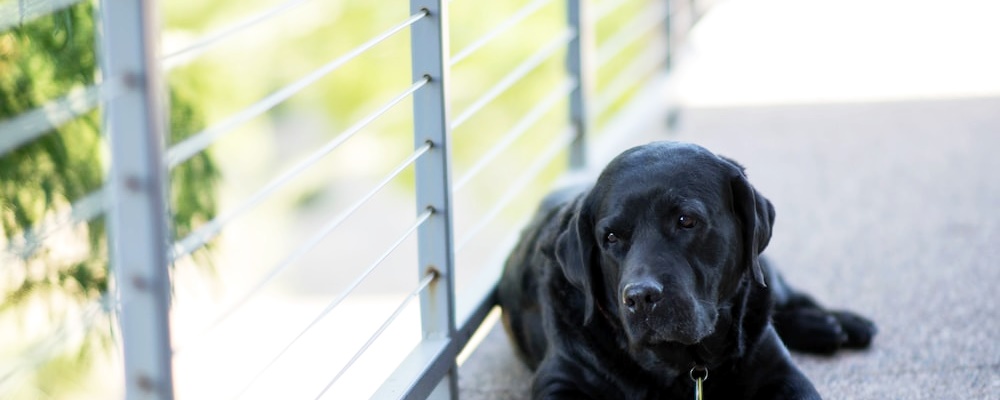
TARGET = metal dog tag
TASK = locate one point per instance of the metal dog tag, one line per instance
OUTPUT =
(697, 381)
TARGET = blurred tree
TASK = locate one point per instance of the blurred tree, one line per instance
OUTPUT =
(39, 61)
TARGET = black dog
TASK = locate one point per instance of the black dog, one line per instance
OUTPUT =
(652, 278)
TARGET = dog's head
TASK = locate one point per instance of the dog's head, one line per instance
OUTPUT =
(664, 240)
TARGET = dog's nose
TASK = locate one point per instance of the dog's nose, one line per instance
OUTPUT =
(641, 296)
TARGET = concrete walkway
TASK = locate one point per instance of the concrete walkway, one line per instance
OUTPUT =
(892, 210)
(887, 194)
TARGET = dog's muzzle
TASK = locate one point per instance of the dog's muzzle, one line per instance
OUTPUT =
(651, 315)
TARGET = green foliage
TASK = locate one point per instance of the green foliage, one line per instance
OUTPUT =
(65, 263)
(43, 60)
(192, 184)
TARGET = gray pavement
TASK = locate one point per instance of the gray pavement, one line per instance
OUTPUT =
(890, 209)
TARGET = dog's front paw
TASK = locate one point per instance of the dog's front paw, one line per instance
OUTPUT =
(810, 330)
(819, 331)
(860, 330)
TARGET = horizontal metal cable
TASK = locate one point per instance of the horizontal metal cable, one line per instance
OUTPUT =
(30, 125)
(83, 210)
(629, 76)
(635, 28)
(182, 56)
(201, 140)
(22, 11)
(343, 295)
(607, 8)
(426, 281)
(530, 119)
(514, 190)
(33, 124)
(313, 241)
(514, 19)
(515, 75)
(209, 230)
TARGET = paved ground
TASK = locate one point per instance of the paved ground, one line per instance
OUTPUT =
(890, 209)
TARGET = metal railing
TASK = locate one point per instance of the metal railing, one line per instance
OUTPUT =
(131, 97)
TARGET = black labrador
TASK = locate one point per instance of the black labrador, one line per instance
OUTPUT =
(641, 285)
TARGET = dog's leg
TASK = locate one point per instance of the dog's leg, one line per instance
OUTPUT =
(805, 325)
(555, 380)
(777, 377)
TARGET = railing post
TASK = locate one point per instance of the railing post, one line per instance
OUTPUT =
(578, 66)
(672, 42)
(429, 49)
(137, 215)
(668, 34)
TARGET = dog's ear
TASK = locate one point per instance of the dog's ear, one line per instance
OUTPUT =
(756, 216)
(575, 253)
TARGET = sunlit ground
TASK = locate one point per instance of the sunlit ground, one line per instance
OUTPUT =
(758, 52)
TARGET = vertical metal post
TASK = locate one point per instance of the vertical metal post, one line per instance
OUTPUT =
(578, 66)
(672, 41)
(137, 217)
(669, 35)
(429, 49)
(693, 11)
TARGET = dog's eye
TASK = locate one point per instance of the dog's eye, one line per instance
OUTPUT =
(686, 222)
(611, 238)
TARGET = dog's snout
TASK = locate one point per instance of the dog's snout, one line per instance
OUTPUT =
(641, 296)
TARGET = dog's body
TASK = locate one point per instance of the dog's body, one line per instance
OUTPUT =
(619, 291)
